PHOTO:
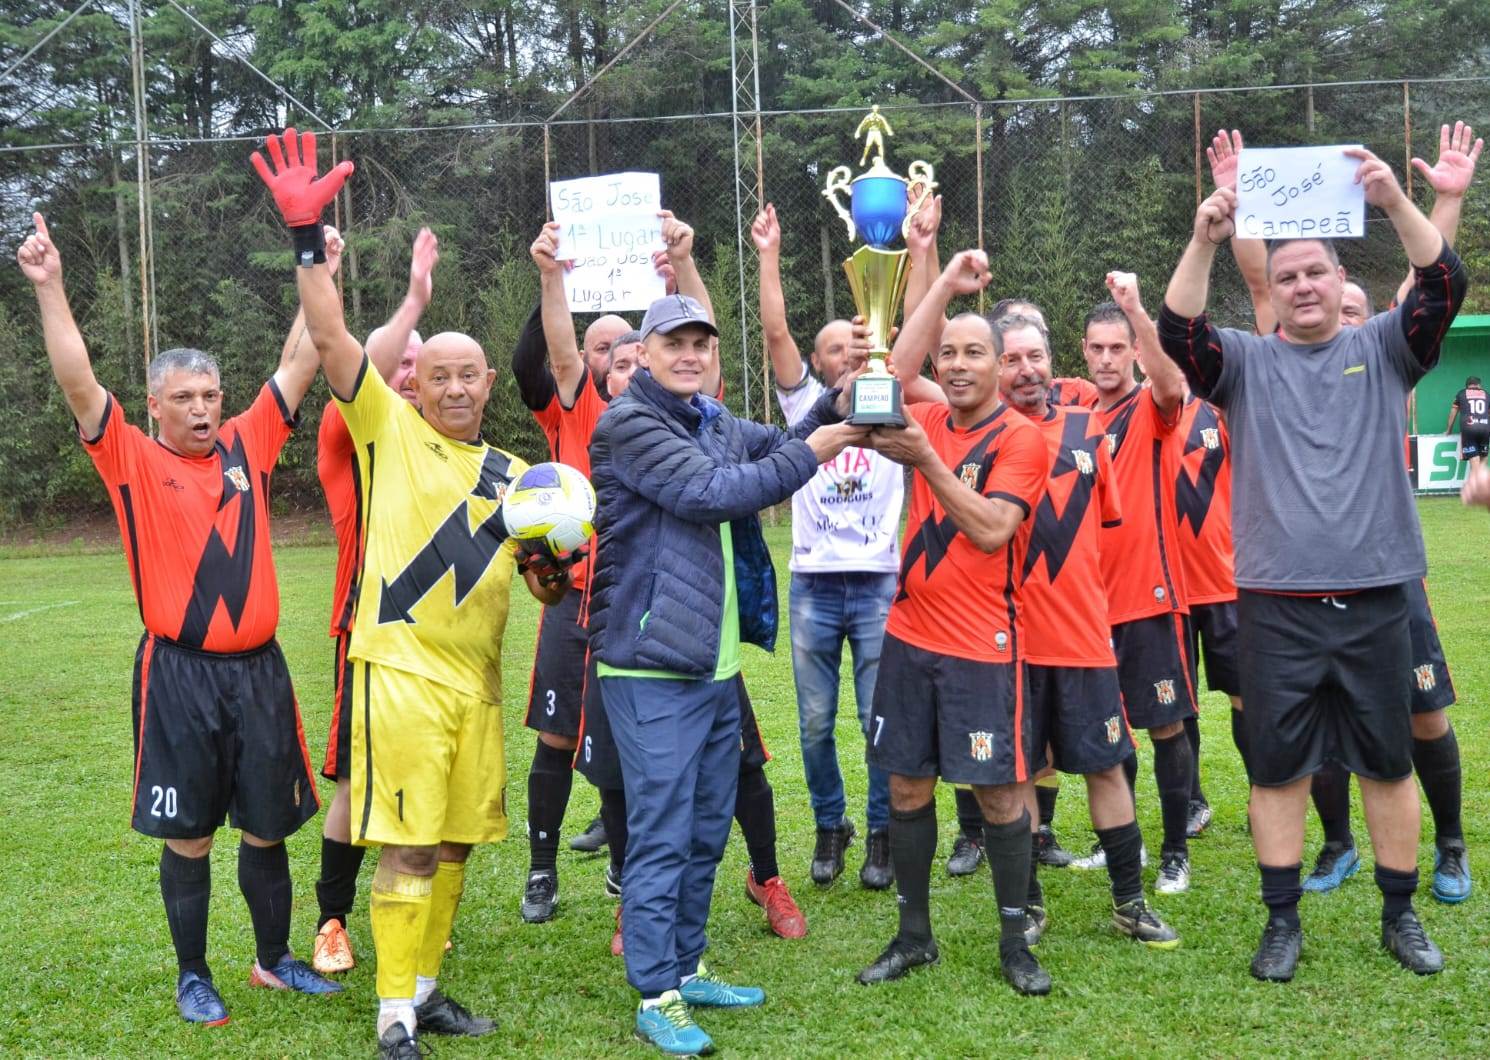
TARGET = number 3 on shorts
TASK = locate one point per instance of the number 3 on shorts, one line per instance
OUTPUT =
(552, 703)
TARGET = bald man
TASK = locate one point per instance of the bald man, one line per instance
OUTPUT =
(599, 337)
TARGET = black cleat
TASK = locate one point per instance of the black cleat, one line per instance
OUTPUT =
(612, 881)
(591, 840)
(827, 858)
(877, 874)
(1022, 971)
(1278, 952)
(1198, 818)
(1035, 920)
(398, 1044)
(1048, 850)
(441, 1015)
(1405, 939)
(967, 855)
(1136, 920)
(898, 959)
(541, 896)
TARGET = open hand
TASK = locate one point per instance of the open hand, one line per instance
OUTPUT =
(1458, 151)
(40, 263)
(299, 195)
(1224, 155)
(422, 267)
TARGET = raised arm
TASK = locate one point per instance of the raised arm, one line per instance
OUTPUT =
(1215, 223)
(386, 345)
(677, 236)
(1165, 377)
(42, 265)
(967, 273)
(1458, 153)
(301, 199)
(786, 358)
(564, 360)
(298, 358)
(920, 240)
(1422, 242)
(1251, 254)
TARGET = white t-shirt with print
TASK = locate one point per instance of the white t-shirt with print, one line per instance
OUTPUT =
(848, 517)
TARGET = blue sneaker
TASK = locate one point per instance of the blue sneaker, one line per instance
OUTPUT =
(198, 1000)
(290, 974)
(708, 989)
(1336, 864)
(670, 1027)
(1451, 881)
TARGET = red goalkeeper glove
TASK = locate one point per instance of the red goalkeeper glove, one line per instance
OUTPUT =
(301, 198)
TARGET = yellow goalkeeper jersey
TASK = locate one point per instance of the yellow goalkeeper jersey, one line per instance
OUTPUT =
(437, 562)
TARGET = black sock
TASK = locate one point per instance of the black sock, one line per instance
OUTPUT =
(755, 809)
(1239, 737)
(1123, 846)
(1172, 767)
(336, 890)
(1008, 847)
(1330, 789)
(969, 814)
(186, 888)
(1437, 765)
(912, 848)
(1281, 891)
(549, 782)
(613, 816)
(1397, 889)
(1045, 800)
(1035, 896)
(264, 879)
(1192, 730)
(1130, 774)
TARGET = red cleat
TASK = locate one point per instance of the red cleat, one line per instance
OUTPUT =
(782, 913)
(617, 946)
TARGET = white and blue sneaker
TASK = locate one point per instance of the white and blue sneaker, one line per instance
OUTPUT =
(669, 1026)
(1451, 882)
(1336, 864)
(709, 990)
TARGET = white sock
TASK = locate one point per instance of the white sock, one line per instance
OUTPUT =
(687, 979)
(424, 986)
(651, 1002)
(393, 1010)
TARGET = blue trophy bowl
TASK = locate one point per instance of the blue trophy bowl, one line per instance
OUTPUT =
(878, 208)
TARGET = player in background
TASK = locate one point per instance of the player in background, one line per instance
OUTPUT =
(845, 525)
(949, 702)
(428, 776)
(1471, 407)
(393, 350)
(193, 513)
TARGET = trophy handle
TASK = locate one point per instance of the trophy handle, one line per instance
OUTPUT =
(838, 182)
(918, 173)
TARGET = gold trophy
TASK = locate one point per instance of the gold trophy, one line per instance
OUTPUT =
(877, 275)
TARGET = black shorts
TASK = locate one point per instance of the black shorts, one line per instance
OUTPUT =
(556, 692)
(1432, 687)
(1213, 642)
(598, 760)
(217, 737)
(1326, 679)
(1474, 443)
(940, 716)
(1078, 711)
(1155, 669)
(339, 738)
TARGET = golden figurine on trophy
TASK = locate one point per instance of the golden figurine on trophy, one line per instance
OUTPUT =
(879, 211)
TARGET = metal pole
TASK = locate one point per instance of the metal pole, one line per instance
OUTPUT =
(1407, 135)
(978, 158)
(142, 184)
(548, 212)
(1199, 151)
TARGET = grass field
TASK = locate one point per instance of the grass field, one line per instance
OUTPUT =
(92, 971)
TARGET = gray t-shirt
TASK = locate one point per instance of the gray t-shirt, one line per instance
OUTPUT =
(1320, 497)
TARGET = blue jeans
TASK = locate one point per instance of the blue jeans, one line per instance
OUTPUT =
(679, 743)
(826, 609)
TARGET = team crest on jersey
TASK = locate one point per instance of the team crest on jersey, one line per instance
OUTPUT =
(237, 478)
(1426, 679)
(1114, 729)
(1210, 437)
(1112, 445)
(1083, 461)
(1164, 691)
(969, 475)
(981, 746)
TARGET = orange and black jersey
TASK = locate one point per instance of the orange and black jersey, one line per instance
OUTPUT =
(1073, 390)
(341, 481)
(196, 529)
(952, 598)
(1063, 599)
(1141, 565)
(1202, 501)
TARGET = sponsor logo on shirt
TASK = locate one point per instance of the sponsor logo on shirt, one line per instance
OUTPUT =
(980, 746)
(1164, 691)
(1354, 369)
(1426, 679)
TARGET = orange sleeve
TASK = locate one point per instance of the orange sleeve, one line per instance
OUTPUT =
(113, 448)
(1107, 493)
(1020, 472)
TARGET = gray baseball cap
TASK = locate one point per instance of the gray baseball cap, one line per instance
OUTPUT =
(666, 315)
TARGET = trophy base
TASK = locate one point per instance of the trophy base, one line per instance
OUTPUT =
(874, 401)
(876, 419)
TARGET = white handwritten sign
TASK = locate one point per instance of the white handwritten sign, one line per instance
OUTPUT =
(1299, 192)
(608, 229)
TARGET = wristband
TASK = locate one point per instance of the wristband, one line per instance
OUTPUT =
(310, 244)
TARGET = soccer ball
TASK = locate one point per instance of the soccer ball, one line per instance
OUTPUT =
(550, 508)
